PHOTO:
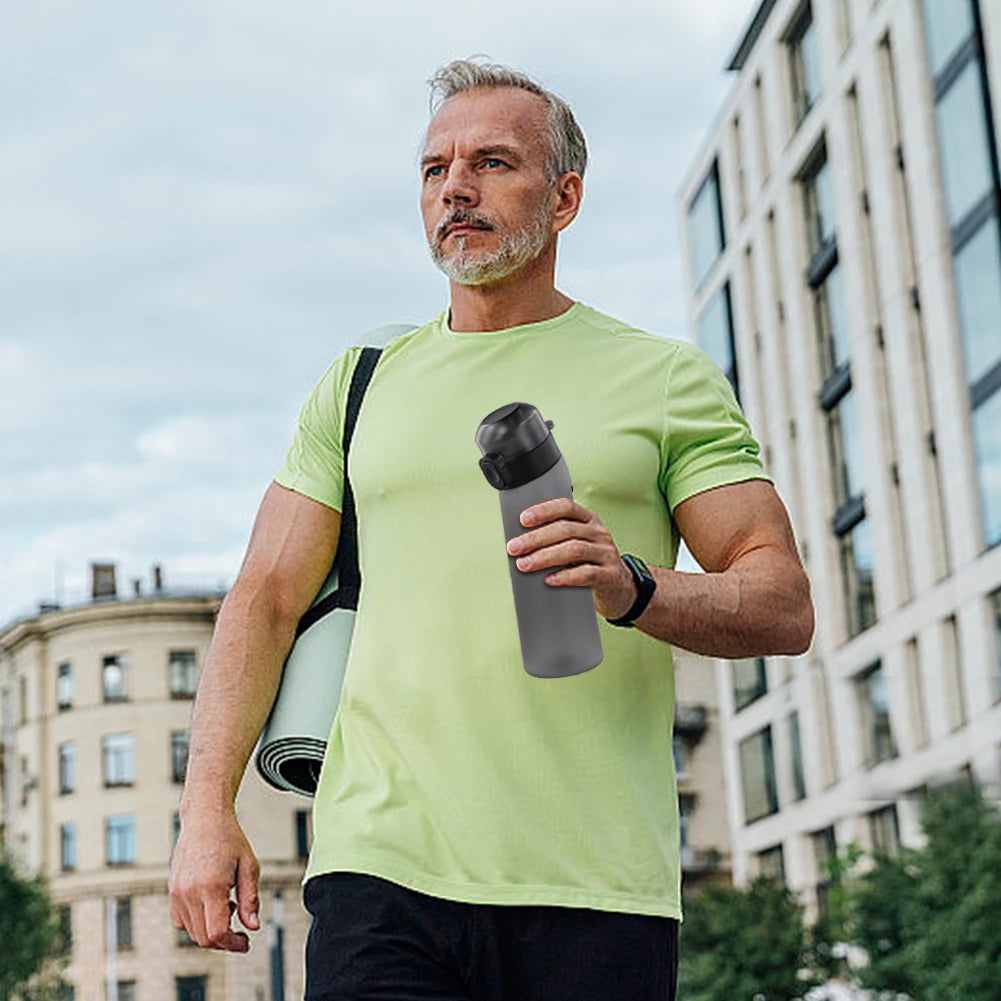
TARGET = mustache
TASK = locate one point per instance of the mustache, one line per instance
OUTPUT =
(461, 217)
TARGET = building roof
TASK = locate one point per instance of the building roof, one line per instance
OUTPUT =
(750, 37)
(174, 601)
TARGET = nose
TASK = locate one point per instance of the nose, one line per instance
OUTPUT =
(459, 186)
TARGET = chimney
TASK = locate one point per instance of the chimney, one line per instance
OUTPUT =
(102, 578)
(157, 577)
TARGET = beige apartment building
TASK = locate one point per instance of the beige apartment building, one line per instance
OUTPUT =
(96, 704)
(843, 255)
(96, 708)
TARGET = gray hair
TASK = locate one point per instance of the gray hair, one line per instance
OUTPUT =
(567, 149)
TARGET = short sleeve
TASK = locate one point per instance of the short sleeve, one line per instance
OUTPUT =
(707, 441)
(314, 463)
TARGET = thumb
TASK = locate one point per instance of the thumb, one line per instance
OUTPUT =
(246, 892)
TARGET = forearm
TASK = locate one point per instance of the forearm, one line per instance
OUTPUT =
(237, 689)
(758, 607)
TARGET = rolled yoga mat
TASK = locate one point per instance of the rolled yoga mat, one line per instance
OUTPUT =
(293, 743)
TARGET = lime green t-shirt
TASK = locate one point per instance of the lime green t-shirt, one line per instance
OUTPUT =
(449, 769)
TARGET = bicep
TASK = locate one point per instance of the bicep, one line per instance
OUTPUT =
(723, 524)
(291, 548)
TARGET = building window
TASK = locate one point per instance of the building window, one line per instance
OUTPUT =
(302, 838)
(967, 146)
(977, 271)
(123, 922)
(824, 274)
(67, 767)
(686, 807)
(680, 750)
(947, 27)
(716, 335)
(113, 672)
(964, 144)
(120, 839)
(126, 990)
(182, 668)
(68, 992)
(750, 681)
(825, 849)
(804, 63)
(884, 831)
(175, 827)
(191, 988)
(22, 699)
(64, 686)
(705, 227)
(119, 752)
(67, 846)
(64, 940)
(845, 443)
(995, 599)
(857, 571)
(831, 318)
(874, 707)
(771, 863)
(987, 447)
(796, 750)
(178, 755)
(757, 776)
(818, 195)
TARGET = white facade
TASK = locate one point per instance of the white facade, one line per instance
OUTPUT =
(856, 159)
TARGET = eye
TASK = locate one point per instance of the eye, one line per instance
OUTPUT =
(493, 161)
(435, 170)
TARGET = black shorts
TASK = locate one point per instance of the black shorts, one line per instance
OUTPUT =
(373, 940)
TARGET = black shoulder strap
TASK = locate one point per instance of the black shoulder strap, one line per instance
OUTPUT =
(347, 546)
(346, 560)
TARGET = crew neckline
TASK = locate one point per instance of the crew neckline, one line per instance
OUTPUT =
(539, 326)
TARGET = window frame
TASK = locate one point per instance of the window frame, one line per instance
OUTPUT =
(114, 832)
(700, 274)
(771, 797)
(121, 661)
(187, 670)
(115, 749)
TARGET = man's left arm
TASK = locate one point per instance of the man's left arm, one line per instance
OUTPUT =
(753, 600)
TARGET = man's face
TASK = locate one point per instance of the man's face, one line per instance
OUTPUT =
(485, 199)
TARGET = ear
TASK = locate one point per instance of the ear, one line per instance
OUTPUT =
(568, 194)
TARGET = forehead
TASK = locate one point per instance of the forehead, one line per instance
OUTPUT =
(485, 116)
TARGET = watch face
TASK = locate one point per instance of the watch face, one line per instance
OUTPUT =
(638, 564)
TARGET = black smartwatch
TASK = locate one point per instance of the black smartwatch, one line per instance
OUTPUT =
(645, 586)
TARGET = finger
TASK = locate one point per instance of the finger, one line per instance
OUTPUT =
(558, 507)
(246, 892)
(217, 914)
(572, 552)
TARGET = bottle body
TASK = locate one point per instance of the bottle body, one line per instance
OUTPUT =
(558, 626)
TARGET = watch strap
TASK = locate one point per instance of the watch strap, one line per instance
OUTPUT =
(645, 586)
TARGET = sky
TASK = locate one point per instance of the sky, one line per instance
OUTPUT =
(205, 202)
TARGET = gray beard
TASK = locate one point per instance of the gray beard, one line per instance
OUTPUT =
(514, 251)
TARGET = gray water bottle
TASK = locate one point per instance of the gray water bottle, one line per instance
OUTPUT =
(558, 625)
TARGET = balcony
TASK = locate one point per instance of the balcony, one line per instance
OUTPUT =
(700, 860)
(690, 720)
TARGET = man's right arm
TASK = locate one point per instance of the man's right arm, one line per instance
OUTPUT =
(291, 549)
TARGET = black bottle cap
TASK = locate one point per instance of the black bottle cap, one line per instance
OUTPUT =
(516, 444)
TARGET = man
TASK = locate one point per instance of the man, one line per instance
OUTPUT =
(481, 834)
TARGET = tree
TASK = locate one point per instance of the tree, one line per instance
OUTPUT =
(744, 944)
(929, 918)
(30, 933)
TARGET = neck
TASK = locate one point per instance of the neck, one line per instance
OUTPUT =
(529, 296)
